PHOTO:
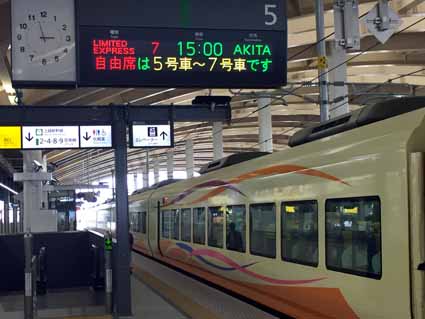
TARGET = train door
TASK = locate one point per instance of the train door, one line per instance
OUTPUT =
(417, 233)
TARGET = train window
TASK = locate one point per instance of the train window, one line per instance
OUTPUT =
(175, 224)
(353, 236)
(166, 224)
(199, 225)
(215, 226)
(142, 222)
(235, 228)
(299, 232)
(263, 230)
(134, 222)
(186, 223)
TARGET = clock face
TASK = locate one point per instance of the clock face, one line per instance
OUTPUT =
(43, 41)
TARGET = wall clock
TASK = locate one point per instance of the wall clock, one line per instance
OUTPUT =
(43, 43)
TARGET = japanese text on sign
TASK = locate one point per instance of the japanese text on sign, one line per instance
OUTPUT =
(45, 137)
(210, 58)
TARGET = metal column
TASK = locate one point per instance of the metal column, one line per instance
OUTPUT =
(15, 219)
(218, 140)
(122, 252)
(265, 138)
(156, 169)
(146, 172)
(338, 78)
(170, 164)
(189, 158)
(6, 214)
(28, 298)
(135, 181)
(321, 51)
(32, 189)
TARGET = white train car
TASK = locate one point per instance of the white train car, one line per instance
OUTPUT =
(330, 228)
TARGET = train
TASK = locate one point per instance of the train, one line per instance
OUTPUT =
(331, 227)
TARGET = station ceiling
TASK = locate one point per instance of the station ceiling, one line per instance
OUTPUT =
(396, 68)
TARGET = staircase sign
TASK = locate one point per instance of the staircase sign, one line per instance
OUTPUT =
(96, 136)
(374, 21)
(150, 135)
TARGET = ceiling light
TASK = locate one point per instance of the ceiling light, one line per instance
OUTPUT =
(9, 189)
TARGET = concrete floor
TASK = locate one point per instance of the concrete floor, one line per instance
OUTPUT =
(84, 302)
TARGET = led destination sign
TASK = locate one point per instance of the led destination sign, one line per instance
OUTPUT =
(185, 58)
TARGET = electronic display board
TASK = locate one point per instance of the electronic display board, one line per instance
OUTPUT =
(161, 57)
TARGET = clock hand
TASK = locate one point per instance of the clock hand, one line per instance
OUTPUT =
(47, 38)
(42, 33)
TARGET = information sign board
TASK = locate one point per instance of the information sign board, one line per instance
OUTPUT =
(50, 137)
(148, 135)
(96, 136)
(10, 137)
(181, 58)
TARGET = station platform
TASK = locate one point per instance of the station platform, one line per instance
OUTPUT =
(86, 303)
(190, 296)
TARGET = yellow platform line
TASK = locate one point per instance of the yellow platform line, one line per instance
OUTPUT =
(174, 296)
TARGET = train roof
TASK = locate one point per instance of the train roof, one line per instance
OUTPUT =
(230, 160)
(358, 118)
(155, 186)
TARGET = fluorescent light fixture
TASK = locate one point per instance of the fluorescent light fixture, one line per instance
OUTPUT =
(9, 189)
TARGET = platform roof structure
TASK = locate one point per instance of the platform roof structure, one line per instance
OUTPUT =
(396, 68)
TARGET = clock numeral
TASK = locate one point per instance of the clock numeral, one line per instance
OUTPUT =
(64, 27)
(22, 49)
(65, 50)
(43, 14)
(23, 26)
(54, 18)
(44, 61)
(56, 59)
(31, 57)
(31, 17)
(19, 37)
(68, 38)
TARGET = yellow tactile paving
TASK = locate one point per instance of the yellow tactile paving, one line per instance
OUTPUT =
(173, 296)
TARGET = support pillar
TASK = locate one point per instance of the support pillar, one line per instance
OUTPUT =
(15, 228)
(32, 190)
(145, 175)
(135, 184)
(146, 172)
(156, 169)
(7, 229)
(21, 217)
(265, 125)
(170, 164)
(338, 90)
(122, 251)
(189, 158)
(218, 140)
(321, 50)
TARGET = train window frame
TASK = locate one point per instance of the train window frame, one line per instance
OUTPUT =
(369, 275)
(190, 225)
(175, 213)
(142, 225)
(163, 212)
(205, 225)
(222, 209)
(251, 225)
(283, 214)
(244, 235)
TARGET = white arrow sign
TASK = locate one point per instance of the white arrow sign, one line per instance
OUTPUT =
(151, 135)
(371, 20)
(50, 137)
(96, 136)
